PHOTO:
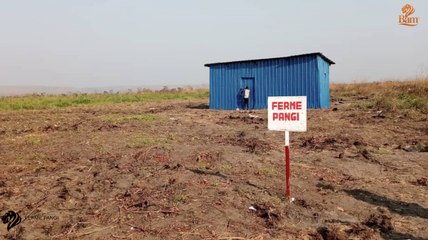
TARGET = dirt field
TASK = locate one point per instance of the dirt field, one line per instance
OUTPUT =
(177, 170)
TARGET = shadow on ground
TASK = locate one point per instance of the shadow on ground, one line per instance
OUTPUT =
(402, 208)
(399, 236)
(198, 106)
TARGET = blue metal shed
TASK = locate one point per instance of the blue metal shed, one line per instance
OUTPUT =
(298, 75)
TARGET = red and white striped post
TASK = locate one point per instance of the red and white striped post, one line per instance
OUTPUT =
(287, 165)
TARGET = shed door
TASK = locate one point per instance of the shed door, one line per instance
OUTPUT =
(249, 81)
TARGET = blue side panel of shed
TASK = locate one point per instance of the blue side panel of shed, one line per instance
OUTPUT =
(324, 76)
(275, 77)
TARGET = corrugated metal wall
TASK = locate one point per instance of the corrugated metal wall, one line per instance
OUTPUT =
(324, 81)
(297, 76)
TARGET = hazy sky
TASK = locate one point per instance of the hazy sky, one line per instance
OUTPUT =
(96, 43)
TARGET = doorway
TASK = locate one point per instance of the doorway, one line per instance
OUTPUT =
(248, 82)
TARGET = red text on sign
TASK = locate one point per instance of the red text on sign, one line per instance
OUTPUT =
(287, 105)
(286, 116)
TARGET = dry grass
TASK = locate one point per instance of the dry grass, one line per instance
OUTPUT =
(388, 95)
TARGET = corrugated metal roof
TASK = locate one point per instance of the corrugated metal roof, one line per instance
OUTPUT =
(275, 58)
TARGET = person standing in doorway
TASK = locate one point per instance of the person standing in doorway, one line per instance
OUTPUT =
(246, 97)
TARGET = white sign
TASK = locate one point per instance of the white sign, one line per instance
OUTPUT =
(287, 114)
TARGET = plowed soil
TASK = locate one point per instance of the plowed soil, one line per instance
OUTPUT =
(177, 170)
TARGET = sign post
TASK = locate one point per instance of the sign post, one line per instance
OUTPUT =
(287, 114)
(287, 164)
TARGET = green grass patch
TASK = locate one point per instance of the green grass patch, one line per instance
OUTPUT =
(216, 183)
(32, 140)
(38, 161)
(412, 101)
(140, 117)
(144, 141)
(36, 102)
(384, 151)
(202, 165)
(362, 105)
(389, 95)
(392, 103)
(227, 168)
(268, 171)
(179, 197)
(136, 117)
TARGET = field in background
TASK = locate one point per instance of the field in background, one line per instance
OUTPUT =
(163, 166)
(41, 101)
(389, 95)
